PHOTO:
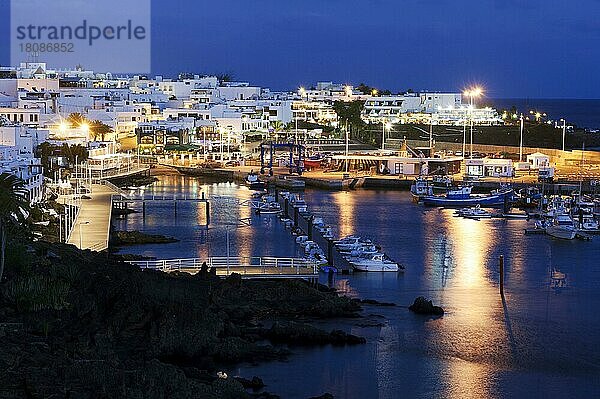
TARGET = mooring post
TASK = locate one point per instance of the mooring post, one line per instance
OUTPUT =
(310, 228)
(207, 208)
(295, 217)
(330, 253)
(285, 208)
(175, 207)
(501, 260)
(143, 210)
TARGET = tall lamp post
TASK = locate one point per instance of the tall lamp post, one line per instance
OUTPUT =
(564, 129)
(472, 93)
(347, 142)
(521, 141)
(385, 125)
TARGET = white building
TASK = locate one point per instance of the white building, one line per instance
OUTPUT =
(489, 167)
(394, 108)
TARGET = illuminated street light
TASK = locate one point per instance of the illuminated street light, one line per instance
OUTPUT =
(374, 92)
(472, 93)
(348, 91)
(564, 129)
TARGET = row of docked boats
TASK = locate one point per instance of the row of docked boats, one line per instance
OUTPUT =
(567, 217)
(365, 256)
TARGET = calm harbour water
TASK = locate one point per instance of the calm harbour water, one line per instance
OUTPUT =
(541, 342)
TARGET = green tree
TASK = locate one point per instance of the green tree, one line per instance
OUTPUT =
(14, 208)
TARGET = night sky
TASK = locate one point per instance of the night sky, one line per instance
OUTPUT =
(532, 48)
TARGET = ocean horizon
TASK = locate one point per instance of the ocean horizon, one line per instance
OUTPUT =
(584, 113)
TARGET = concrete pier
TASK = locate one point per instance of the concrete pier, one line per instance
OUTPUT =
(92, 226)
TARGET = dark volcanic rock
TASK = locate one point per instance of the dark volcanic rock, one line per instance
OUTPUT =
(80, 325)
(137, 237)
(376, 303)
(422, 306)
(305, 334)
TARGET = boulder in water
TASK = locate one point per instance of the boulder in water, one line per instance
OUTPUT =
(422, 306)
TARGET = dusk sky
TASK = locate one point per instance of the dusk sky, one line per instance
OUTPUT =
(534, 48)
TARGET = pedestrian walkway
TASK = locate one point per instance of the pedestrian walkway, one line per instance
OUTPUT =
(92, 226)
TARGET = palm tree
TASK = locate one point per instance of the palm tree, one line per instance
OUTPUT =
(76, 119)
(13, 209)
(98, 128)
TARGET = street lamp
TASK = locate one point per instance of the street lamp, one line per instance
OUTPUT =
(472, 93)
(521, 141)
(564, 129)
(303, 93)
(385, 125)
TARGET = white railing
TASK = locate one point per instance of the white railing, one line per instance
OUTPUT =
(234, 264)
(114, 187)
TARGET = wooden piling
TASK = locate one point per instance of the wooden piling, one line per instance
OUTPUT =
(330, 253)
(501, 261)
(207, 208)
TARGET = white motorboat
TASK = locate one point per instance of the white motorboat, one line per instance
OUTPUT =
(589, 223)
(362, 250)
(474, 213)
(562, 227)
(350, 243)
(376, 263)
(298, 203)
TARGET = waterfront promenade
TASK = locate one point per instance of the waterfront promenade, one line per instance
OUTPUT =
(92, 226)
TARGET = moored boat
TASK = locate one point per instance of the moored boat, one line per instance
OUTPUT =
(462, 197)
(375, 263)
(562, 227)
(254, 182)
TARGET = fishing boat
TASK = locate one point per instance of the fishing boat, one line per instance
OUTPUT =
(421, 188)
(462, 197)
(376, 263)
(562, 227)
(254, 182)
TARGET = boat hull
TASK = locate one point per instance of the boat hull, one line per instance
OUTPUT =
(488, 200)
(562, 233)
(385, 267)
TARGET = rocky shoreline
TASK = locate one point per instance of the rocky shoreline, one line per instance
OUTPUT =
(123, 238)
(74, 323)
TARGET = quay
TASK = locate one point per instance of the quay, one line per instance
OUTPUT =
(247, 267)
(91, 228)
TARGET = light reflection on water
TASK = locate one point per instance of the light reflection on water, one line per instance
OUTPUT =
(539, 343)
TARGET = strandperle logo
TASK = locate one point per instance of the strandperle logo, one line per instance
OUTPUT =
(85, 31)
(104, 36)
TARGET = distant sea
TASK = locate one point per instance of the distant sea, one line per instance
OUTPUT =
(583, 113)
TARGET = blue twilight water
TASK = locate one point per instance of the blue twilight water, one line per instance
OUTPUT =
(541, 342)
(583, 113)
